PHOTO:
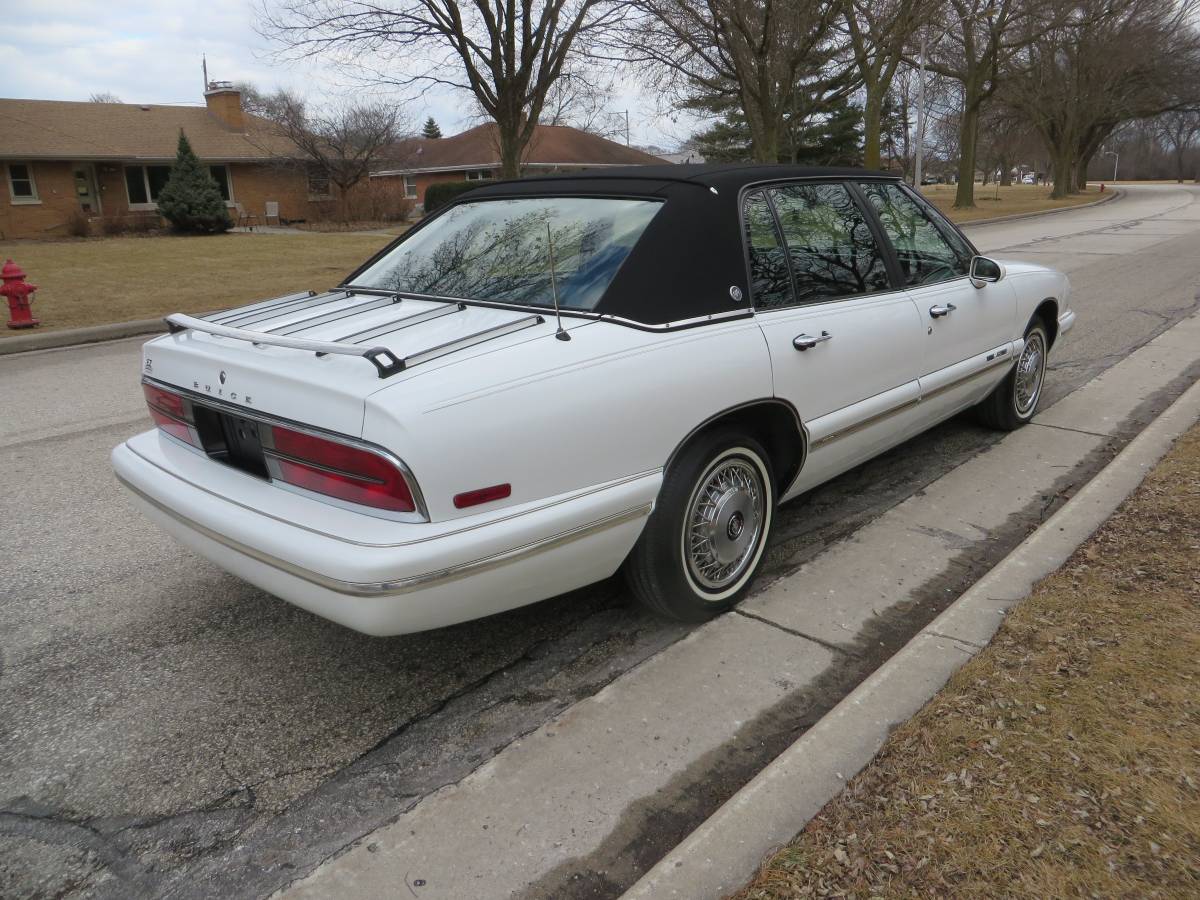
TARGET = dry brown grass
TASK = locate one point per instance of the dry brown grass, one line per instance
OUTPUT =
(90, 282)
(1064, 760)
(1014, 199)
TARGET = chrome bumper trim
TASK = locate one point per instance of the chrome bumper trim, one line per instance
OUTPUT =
(421, 540)
(908, 404)
(414, 582)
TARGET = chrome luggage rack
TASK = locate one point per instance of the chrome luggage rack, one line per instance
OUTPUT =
(231, 324)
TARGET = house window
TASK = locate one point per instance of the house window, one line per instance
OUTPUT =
(21, 186)
(410, 187)
(318, 184)
(220, 174)
(144, 183)
(479, 175)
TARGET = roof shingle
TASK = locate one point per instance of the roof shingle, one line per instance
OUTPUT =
(551, 145)
(63, 129)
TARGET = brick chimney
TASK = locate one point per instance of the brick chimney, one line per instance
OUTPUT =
(225, 102)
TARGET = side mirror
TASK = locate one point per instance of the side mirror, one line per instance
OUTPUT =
(985, 271)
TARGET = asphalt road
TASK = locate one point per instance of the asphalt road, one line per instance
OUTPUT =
(157, 714)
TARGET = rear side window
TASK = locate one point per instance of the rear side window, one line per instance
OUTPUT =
(770, 279)
(829, 244)
(926, 254)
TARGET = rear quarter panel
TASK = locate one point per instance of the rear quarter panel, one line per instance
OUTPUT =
(556, 416)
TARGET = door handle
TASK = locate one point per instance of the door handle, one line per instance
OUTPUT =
(804, 342)
(937, 312)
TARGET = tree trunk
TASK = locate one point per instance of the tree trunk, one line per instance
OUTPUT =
(872, 116)
(964, 197)
(511, 149)
(764, 137)
(1005, 172)
(1063, 178)
(1081, 170)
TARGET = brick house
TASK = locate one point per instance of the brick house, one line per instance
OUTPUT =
(64, 159)
(474, 155)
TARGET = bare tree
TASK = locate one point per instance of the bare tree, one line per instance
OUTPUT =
(1178, 130)
(1102, 64)
(507, 55)
(341, 143)
(878, 31)
(582, 98)
(981, 39)
(752, 52)
(104, 97)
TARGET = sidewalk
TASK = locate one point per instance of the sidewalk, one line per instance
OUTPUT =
(1062, 760)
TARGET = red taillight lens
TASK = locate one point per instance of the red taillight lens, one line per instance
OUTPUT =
(170, 414)
(338, 470)
(482, 495)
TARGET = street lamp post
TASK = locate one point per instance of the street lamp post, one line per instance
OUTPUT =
(1116, 161)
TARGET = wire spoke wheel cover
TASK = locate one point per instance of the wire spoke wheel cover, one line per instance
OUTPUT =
(1031, 370)
(724, 523)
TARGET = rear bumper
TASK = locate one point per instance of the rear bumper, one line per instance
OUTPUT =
(420, 579)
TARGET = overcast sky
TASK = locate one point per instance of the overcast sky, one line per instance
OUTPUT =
(150, 52)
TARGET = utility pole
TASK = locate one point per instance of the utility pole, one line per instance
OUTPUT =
(917, 173)
(626, 128)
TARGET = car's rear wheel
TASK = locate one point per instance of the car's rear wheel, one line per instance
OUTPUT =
(708, 534)
(1016, 398)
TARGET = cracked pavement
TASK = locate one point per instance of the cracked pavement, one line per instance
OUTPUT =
(168, 729)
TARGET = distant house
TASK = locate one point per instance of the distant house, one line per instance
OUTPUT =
(474, 155)
(109, 161)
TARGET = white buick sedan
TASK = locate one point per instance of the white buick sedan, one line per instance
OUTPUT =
(558, 378)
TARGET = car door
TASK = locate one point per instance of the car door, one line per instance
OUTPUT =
(969, 331)
(844, 342)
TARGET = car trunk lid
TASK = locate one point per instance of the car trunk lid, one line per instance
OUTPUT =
(268, 356)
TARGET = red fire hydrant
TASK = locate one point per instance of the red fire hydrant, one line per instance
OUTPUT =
(19, 293)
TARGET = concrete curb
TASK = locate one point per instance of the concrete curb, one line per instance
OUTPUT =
(70, 337)
(727, 849)
(1016, 217)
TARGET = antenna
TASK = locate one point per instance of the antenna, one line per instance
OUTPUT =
(204, 66)
(561, 334)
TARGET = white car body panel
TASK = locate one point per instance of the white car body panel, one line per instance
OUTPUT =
(583, 430)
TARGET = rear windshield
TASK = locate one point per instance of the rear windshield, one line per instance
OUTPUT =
(500, 250)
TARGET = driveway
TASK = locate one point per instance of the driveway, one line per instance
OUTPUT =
(158, 717)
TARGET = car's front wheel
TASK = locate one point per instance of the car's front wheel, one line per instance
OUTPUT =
(708, 534)
(1016, 398)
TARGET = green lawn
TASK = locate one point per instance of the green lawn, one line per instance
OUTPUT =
(94, 281)
(992, 201)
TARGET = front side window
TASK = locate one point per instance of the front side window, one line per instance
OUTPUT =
(831, 248)
(21, 185)
(499, 250)
(926, 254)
(770, 279)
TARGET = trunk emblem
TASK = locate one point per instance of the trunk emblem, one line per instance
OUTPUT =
(222, 376)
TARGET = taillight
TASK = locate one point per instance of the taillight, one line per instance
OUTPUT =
(336, 470)
(172, 414)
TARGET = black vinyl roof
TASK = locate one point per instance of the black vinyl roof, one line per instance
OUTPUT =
(690, 257)
(652, 179)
